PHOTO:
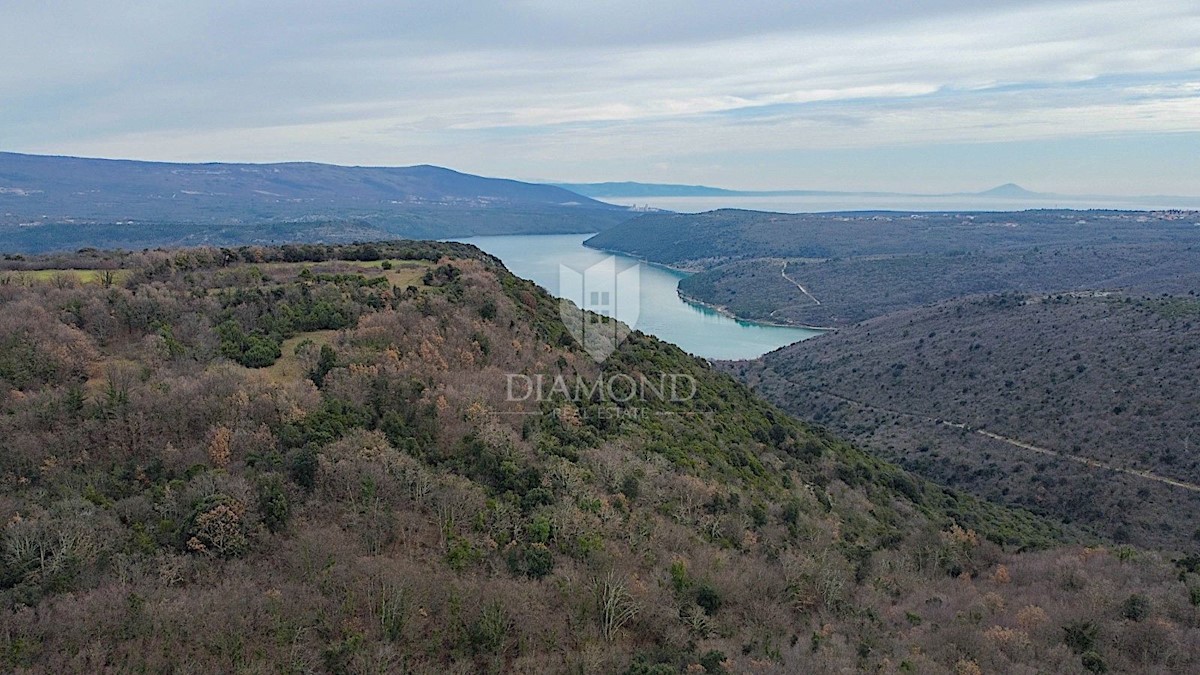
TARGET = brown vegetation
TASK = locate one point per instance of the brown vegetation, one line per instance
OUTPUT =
(170, 508)
(1105, 386)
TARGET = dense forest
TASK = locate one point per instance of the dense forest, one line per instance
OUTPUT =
(1104, 386)
(303, 459)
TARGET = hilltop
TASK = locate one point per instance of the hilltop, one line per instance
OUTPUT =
(304, 459)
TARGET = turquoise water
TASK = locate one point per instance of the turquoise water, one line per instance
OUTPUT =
(698, 330)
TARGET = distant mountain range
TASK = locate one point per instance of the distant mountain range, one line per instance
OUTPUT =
(106, 188)
(44, 200)
(61, 203)
(631, 190)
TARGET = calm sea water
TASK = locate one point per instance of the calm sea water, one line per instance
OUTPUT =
(698, 330)
(811, 204)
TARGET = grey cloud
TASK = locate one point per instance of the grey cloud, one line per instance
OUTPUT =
(395, 82)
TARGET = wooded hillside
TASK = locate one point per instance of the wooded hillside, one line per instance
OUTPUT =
(303, 459)
(1104, 386)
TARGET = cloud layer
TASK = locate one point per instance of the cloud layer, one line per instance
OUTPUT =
(611, 89)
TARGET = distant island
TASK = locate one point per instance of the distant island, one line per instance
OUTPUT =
(630, 190)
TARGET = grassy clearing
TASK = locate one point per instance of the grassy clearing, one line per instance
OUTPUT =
(290, 365)
(69, 276)
(404, 273)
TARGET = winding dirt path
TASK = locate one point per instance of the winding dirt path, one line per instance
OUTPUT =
(783, 273)
(1086, 461)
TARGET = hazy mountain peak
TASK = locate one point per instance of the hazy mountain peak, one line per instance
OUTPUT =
(1009, 190)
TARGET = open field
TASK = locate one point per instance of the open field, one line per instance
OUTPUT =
(68, 276)
(403, 273)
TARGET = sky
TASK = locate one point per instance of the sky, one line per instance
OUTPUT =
(1084, 97)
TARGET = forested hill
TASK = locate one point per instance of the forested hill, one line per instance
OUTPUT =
(305, 458)
(701, 239)
(49, 203)
(840, 268)
(1078, 406)
(844, 291)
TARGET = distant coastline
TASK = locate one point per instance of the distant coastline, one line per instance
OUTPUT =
(1007, 197)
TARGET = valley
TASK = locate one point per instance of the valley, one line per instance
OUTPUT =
(180, 488)
(770, 338)
(333, 425)
(661, 311)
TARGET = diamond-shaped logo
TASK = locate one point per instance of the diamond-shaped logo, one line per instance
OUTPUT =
(599, 305)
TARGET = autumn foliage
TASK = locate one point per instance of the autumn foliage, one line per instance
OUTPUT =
(369, 501)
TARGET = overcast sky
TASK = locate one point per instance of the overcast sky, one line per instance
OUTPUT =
(935, 95)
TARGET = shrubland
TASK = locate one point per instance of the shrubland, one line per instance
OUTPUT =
(1103, 385)
(303, 459)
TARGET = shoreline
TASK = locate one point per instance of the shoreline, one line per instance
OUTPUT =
(724, 311)
(719, 309)
(644, 261)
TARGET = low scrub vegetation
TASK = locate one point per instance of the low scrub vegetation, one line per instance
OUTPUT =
(378, 505)
(1104, 386)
